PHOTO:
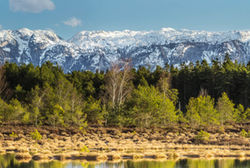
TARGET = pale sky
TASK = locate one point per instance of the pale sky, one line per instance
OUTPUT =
(67, 17)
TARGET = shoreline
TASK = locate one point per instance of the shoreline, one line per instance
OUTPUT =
(113, 144)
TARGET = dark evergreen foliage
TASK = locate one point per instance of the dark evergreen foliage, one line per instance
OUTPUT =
(45, 95)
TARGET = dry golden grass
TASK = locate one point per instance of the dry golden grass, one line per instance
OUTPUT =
(23, 156)
(159, 156)
(63, 156)
(41, 157)
(114, 156)
(138, 156)
(173, 155)
(2, 151)
(10, 148)
(133, 156)
(127, 145)
(24, 160)
(96, 157)
(208, 155)
(22, 150)
(241, 155)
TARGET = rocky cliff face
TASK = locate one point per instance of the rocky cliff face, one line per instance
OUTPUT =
(91, 50)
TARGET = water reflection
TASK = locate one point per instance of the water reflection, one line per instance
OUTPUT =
(8, 161)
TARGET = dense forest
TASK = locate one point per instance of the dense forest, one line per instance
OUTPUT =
(195, 94)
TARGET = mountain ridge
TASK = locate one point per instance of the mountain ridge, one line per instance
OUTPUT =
(92, 50)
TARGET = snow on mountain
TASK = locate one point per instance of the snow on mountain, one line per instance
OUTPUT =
(121, 39)
(91, 50)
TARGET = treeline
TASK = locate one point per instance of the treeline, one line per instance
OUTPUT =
(197, 95)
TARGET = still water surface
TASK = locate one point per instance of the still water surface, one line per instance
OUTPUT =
(8, 161)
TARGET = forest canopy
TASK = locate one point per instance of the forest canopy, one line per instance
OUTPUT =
(194, 94)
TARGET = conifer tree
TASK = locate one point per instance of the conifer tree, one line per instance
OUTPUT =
(225, 108)
(240, 113)
(201, 111)
(148, 107)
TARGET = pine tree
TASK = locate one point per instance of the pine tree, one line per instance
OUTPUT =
(225, 108)
(201, 111)
(92, 108)
(56, 117)
(240, 113)
(148, 107)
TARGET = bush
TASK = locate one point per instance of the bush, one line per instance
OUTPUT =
(36, 135)
(13, 135)
(221, 129)
(83, 127)
(134, 133)
(202, 137)
(245, 134)
(85, 149)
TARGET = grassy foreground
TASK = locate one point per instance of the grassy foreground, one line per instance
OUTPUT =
(102, 143)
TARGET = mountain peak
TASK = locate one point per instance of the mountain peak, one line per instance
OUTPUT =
(167, 29)
(25, 31)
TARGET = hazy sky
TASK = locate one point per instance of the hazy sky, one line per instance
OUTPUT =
(67, 17)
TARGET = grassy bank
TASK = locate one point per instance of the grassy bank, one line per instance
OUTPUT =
(101, 143)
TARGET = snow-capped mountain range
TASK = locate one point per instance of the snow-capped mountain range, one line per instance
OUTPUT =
(92, 50)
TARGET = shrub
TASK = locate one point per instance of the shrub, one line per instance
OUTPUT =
(85, 149)
(84, 127)
(244, 133)
(36, 135)
(13, 135)
(134, 133)
(202, 137)
(221, 129)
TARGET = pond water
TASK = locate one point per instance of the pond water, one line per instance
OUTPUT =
(8, 161)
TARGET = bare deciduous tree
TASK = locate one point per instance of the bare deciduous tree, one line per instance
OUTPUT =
(117, 84)
(203, 92)
(164, 84)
